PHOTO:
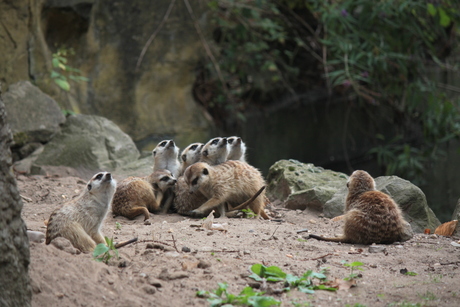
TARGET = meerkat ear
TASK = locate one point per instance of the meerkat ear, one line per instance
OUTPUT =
(154, 153)
(155, 186)
(90, 187)
(205, 171)
(184, 158)
(205, 153)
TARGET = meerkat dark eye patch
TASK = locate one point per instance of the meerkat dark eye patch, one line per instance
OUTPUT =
(165, 178)
(99, 176)
(215, 141)
(205, 171)
(163, 144)
(230, 141)
(194, 147)
(184, 158)
(195, 181)
(90, 187)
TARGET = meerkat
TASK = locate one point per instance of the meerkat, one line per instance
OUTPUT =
(215, 151)
(232, 182)
(140, 195)
(370, 216)
(191, 154)
(166, 156)
(80, 220)
(237, 149)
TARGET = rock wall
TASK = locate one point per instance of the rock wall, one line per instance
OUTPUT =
(15, 287)
(150, 103)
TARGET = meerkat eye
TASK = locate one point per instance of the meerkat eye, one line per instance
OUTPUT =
(194, 147)
(195, 181)
(165, 178)
(215, 142)
(184, 158)
(163, 144)
(99, 176)
(230, 141)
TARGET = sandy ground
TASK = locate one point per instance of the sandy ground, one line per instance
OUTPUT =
(173, 259)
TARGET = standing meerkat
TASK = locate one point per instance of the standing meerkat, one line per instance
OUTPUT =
(191, 154)
(237, 149)
(80, 220)
(232, 182)
(370, 216)
(140, 195)
(215, 151)
(165, 156)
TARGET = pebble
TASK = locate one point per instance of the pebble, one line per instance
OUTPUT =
(150, 289)
(377, 249)
(36, 236)
(186, 249)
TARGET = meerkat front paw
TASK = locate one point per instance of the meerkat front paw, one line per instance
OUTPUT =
(196, 214)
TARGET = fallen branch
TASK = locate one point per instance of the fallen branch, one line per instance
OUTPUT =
(124, 243)
(317, 258)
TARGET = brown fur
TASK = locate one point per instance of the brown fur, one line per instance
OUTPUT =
(141, 195)
(80, 220)
(232, 182)
(370, 216)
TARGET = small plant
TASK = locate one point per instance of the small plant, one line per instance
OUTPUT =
(428, 296)
(247, 297)
(300, 304)
(249, 213)
(117, 226)
(103, 252)
(62, 72)
(406, 304)
(353, 266)
(303, 283)
(355, 305)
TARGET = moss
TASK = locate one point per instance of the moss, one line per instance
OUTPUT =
(20, 138)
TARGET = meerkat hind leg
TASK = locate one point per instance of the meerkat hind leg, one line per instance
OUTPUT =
(79, 238)
(206, 207)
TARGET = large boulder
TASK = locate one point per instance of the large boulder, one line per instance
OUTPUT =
(88, 142)
(15, 287)
(303, 185)
(32, 115)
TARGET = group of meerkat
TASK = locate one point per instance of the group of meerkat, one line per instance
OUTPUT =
(212, 176)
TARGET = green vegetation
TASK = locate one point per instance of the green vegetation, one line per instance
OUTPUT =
(103, 252)
(353, 266)
(62, 73)
(247, 297)
(378, 54)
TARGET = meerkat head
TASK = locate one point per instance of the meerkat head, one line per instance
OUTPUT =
(102, 185)
(196, 175)
(166, 148)
(161, 180)
(192, 153)
(360, 181)
(215, 151)
(237, 148)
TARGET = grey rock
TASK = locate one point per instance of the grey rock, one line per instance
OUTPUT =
(456, 216)
(36, 236)
(290, 180)
(89, 142)
(377, 249)
(33, 116)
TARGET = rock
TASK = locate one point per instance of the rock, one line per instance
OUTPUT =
(303, 185)
(154, 281)
(24, 166)
(186, 249)
(165, 275)
(36, 236)
(377, 249)
(409, 197)
(32, 115)
(149, 289)
(88, 142)
(15, 286)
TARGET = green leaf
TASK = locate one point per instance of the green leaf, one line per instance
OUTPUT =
(63, 84)
(444, 18)
(263, 301)
(55, 74)
(431, 9)
(100, 249)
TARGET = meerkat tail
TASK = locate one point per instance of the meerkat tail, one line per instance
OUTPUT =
(124, 243)
(338, 239)
(249, 201)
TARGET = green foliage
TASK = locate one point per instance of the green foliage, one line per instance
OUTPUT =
(303, 283)
(62, 73)
(247, 297)
(249, 213)
(353, 266)
(377, 52)
(103, 252)
(117, 226)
